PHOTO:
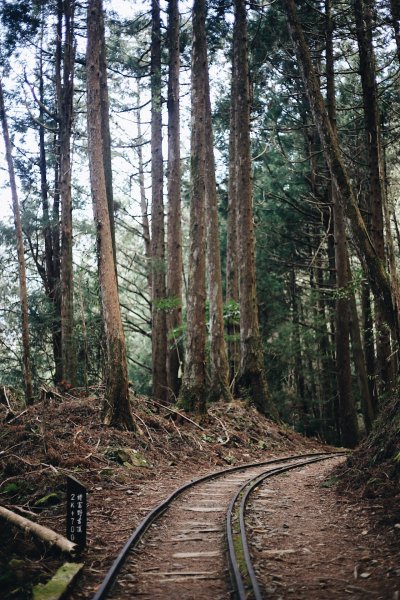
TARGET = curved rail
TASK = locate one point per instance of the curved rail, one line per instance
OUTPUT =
(163, 506)
(243, 494)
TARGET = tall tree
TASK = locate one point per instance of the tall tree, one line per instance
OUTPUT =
(374, 267)
(193, 390)
(116, 408)
(159, 324)
(348, 417)
(106, 138)
(51, 226)
(66, 11)
(219, 372)
(23, 294)
(174, 241)
(395, 13)
(232, 275)
(377, 199)
(144, 207)
(252, 377)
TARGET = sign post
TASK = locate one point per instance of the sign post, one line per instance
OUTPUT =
(76, 512)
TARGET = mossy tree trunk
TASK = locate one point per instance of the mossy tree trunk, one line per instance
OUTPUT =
(116, 408)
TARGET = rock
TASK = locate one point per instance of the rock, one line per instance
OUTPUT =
(128, 457)
(49, 500)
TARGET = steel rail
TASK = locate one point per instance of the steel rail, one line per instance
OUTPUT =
(244, 494)
(153, 515)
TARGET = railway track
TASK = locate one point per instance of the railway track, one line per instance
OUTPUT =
(178, 551)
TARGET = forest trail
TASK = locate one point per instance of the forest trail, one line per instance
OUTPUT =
(305, 542)
(127, 474)
(309, 543)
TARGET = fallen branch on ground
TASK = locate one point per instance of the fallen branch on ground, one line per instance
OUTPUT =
(44, 533)
(170, 409)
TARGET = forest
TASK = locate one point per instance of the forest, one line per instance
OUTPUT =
(199, 287)
(200, 204)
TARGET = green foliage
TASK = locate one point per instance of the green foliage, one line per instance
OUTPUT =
(20, 20)
(232, 312)
(168, 303)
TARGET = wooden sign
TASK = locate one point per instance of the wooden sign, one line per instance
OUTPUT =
(76, 512)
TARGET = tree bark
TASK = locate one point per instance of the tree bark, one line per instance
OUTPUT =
(116, 407)
(144, 207)
(52, 538)
(251, 378)
(23, 294)
(395, 9)
(50, 228)
(369, 344)
(65, 114)
(174, 240)
(348, 416)
(159, 323)
(193, 391)
(219, 372)
(377, 196)
(106, 138)
(232, 269)
(298, 359)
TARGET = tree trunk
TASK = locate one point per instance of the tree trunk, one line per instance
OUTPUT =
(298, 359)
(174, 254)
(193, 390)
(360, 363)
(159, 323)
(52, 267)
(56, 226)
(329, 408)
(374, 267)
(23, 294)
(348, 416)
(106, 138)
(144, 206)
(369, 345)
(363, 19)
(219, 372)
(395, 9)
(232, 270)
(252, 378)
(65, 114)
(116, 408)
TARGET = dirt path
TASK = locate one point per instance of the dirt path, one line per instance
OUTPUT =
(308, 543)
(183, 555)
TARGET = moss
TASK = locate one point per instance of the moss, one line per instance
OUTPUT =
(48, 500)
(58, 585)
(192, 398)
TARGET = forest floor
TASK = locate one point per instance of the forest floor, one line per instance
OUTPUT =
(348, 517)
